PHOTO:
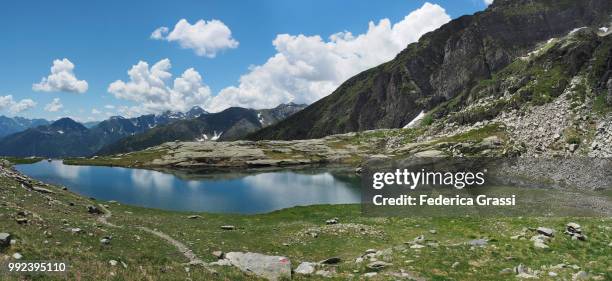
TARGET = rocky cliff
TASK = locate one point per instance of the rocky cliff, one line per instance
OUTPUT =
(442, 65)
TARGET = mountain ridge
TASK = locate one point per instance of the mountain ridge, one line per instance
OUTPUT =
(441, 65)
(230, 124)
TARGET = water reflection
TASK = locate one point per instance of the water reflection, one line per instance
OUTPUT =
(253, 193)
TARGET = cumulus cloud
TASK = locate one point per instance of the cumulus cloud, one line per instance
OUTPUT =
(150, 87)
(307, 68)
(14, 107)
(61, 79)
(95, 111)
(54, 106)
(488, 2)
(205, 38)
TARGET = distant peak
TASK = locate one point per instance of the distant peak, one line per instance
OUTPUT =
(67, 124)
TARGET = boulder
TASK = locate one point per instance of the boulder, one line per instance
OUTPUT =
(478, 242)
(573, 227)
(332, 221)
(218, 254)
(5, 239)
(94, 210)
(306, 268)
(430, 153)
(105, 240)
(546, 231)
(580, 275)
(269, 267)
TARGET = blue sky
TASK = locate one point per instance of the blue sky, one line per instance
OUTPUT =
(104, 39)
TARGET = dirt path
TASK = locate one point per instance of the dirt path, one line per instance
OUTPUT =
(188, 253)
(103, 219)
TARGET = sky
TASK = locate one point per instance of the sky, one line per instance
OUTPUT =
(90, 60)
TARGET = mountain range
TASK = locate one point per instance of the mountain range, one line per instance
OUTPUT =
(442, 65)
(68, 138)
(13, 125)
(230, 124)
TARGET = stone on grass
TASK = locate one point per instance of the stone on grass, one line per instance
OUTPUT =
(228, 227)
(17, 256)
(478, 242)
(94, 210)
(218, 254)
(430, 153)
(580, 275)
(546, 231)
(378, 265)
(306, 268)
(332, 221)
(5, 239)
(113, 262)
(269, 267)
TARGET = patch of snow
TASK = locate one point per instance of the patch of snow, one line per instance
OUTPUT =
(576, 29)
(215, 136)
(203, 138)
(415, 121)
(261, 119)
(60, 132)
(604, 29)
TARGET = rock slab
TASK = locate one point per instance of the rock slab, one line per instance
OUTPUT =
(269, 267)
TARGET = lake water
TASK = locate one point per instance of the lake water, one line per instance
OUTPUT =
(219, 193)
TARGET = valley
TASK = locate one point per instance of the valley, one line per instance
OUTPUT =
(276, 193)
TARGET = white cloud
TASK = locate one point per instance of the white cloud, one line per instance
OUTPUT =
(488, 2)
(95, 111)
(61, 79)
(5, 101)
(14, 107)
(54, 106)
(307, 68)
(150, 89)
(109, 106)
(205, 38)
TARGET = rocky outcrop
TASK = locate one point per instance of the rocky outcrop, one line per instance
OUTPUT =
(441, 66)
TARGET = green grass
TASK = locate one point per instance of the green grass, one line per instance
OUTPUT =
(134, 159)
(19, 160)
(284, 232)
(600, 106)
(477, 135)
